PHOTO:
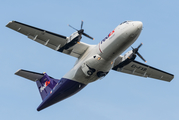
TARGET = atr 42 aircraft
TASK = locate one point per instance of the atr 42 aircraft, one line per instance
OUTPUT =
(93, 61)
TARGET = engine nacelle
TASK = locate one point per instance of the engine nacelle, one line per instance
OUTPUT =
(129, 55)
(72, 36)
(121, 61)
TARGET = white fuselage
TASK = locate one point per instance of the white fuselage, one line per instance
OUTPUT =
(102, 56)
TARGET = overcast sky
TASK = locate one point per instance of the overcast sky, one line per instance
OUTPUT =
(118, 96)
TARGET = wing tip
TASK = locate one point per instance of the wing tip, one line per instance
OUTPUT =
(16, 73)
(10, 22)
(172, 78)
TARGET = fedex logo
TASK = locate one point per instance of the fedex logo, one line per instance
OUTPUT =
(111, 33)
(45, 85)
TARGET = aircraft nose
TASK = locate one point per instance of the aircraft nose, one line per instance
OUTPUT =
(136, 28)
(139, 25)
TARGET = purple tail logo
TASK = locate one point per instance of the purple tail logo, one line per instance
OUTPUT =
(45, 85)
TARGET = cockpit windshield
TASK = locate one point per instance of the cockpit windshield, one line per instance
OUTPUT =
(125, 22)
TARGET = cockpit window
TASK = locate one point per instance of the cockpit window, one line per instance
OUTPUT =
(125, 22)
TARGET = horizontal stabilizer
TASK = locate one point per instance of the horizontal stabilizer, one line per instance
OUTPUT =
(29, 75)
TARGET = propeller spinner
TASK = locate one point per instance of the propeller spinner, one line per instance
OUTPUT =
(135, 51)
(81, 31)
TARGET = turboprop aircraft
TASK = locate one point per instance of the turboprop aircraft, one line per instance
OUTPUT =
(93, 61)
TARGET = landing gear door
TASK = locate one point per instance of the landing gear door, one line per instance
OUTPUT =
(87, 70)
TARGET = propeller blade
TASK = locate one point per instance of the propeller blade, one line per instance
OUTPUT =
(81, 31)
(140, 45)
(81, 24)
(135, 51)
(72, 27)
(141, 57)
(88, 36)
(132, 48)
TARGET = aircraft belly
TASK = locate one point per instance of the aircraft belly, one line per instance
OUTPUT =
(97, 65)
(64, 89)
(95, 62)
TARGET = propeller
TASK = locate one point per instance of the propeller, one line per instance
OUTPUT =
(81, 31)
(135, 51)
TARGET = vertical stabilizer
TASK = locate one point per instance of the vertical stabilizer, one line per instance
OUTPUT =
(46, 85)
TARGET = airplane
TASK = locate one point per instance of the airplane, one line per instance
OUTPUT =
(93, 61)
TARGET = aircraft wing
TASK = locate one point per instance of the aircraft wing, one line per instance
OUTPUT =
(49, 39)
(143, 70)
